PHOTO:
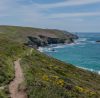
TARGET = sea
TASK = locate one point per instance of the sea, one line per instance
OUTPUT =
(83, 53)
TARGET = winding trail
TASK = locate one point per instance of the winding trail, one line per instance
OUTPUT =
(18, 80)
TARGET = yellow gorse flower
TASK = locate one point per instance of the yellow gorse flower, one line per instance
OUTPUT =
(60, 82)
(84, 90)
(80, 89)
(45, 77)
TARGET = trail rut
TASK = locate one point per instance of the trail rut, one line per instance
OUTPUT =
(19, 79)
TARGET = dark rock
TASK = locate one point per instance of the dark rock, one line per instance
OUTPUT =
(44, 40)
(55, 40)
(98, 41)
(34, 41)
(69, 87)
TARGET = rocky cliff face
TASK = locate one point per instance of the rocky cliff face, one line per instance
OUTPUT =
(42, 40)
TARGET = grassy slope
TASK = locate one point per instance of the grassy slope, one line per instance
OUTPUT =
(20, 33)
(45, 76)
(11, 47)
(10, 50)
(50, 78)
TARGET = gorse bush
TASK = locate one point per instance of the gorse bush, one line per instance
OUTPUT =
(50, 78)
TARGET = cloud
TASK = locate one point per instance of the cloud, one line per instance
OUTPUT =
(19, 12)
(81, 14)
(9, 7)
(16, 8)
(67, 3)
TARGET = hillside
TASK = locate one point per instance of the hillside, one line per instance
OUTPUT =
(35, 36)
(45, 77)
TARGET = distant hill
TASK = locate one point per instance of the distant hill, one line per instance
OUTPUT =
(36, 37)
(45, 77)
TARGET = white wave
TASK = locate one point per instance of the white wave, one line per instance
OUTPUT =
(93, 42)
(92, 70)
(46, 49)
(60, 46)
(77, 43)
(84, 41)
(50, 50)
(81, 40)
(57, 46)
(72, 44)
(85, 68)
(40, 49)
(54, 46)
(99, 72)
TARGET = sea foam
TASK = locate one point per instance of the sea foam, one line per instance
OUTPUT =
(88, 69)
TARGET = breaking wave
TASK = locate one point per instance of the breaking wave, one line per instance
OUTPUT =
(89, 69)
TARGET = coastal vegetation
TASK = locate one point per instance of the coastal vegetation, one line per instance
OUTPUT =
(45, 77)
(50, 78)
(9, 51)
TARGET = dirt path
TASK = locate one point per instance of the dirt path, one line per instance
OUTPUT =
(14, 85)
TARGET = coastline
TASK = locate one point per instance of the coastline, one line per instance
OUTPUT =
(44, 74)
(54, 46)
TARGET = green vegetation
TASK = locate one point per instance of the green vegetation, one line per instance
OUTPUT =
(20, 34)
(45, 76)
(9, 51)
(3, 94)
(50, 78)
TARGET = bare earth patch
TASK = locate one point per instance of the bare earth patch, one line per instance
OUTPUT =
(18, 80)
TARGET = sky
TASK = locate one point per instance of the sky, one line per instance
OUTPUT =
(70, 15)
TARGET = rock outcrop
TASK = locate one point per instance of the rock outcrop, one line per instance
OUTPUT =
(42, 40)
(98, 41)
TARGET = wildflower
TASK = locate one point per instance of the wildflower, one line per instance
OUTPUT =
(60, 82)
(80, 89)
(45, 77)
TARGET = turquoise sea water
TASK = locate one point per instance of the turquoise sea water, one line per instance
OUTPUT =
(84, 53)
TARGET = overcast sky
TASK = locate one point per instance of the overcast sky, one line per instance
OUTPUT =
(71, 15)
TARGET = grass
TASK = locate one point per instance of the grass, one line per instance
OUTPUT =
(50, 78)
(3, 94)
(45, 77)
(9, 51)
